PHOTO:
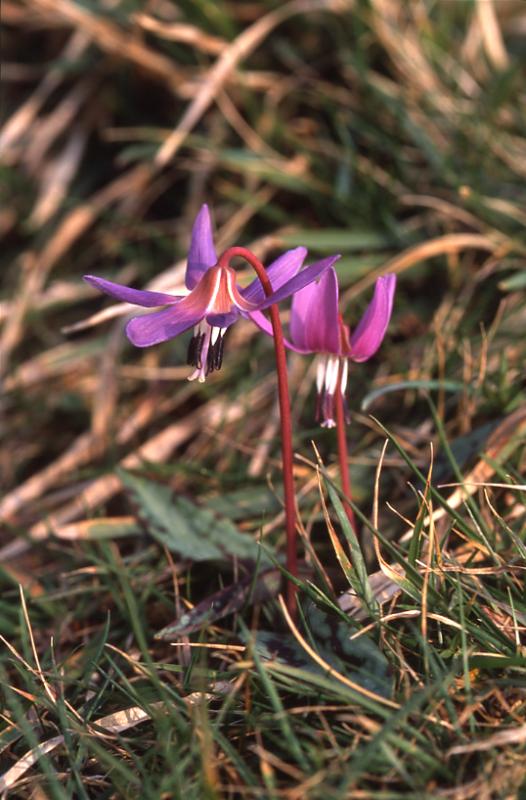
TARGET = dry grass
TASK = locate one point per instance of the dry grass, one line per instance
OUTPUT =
(394, 133)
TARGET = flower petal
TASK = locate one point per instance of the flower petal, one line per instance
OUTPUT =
(202, 253)
(159, 326)
(139, 297)
(300, 280)
(259, 319)
(265, 325)
(314, 324)
(279, 272)
(223, 320)
(162, 325)
(371, 329)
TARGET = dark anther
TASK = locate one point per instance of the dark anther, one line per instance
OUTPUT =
(194, 350)
(210, 358)
(319, 405)
(218, 359)
(215, 354)
(190, 354)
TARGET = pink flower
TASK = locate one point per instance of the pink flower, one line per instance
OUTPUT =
(214, 299)
(316, 326)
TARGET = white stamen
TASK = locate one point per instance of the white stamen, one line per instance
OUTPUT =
(345, 374)
(331, 376)
(215, 335)
(321, 368)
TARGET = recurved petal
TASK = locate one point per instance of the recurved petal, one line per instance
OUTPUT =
(159, 326)
(300, 280)
(279, 272)
(370, 331)
(139, 297)
(314, 324)
(265, 325)
(202, 253)
(261, 321)
(162, 325)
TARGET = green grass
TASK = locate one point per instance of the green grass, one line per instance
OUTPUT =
(145, 652)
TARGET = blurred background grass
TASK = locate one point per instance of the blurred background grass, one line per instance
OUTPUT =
(392, 132)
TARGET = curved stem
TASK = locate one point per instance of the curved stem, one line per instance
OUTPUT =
(343, 457)
(284, 410)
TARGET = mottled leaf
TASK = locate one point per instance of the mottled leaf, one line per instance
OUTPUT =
(226, 601)
(189, 530)
(359, 659)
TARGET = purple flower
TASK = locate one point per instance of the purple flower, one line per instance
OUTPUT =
(213, 300)
(316, 326)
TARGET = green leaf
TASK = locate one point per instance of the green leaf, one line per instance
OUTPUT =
(360, 659)
(429, 385)
(357, 574)
(514, 283)
(185, 528)
(225, 601)
(247, 503)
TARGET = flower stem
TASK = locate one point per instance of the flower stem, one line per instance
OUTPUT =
(284, 410)
(343, 457)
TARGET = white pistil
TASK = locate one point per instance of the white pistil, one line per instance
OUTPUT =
(202, 328)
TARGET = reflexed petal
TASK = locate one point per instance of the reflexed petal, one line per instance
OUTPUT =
(314, 324)
(300, 280)
(202, 253)
(279, 272)
(265, 325)
(370, 331)
(261, 321)
(139, 297)
(160, 325)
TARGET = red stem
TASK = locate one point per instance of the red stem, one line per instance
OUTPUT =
(343, 457)
(284, 410)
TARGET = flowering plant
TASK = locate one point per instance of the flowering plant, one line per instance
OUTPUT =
(212, 302)
(316, 326)
(213, 299)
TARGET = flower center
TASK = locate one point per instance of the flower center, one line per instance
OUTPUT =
(217, 292)
(205, 351)
(328, 370)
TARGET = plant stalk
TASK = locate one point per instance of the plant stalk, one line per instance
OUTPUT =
(343, 456)
(284, 410)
